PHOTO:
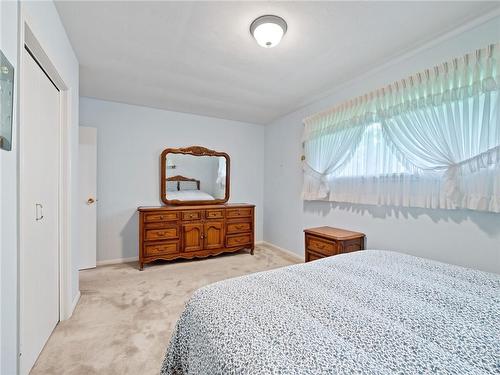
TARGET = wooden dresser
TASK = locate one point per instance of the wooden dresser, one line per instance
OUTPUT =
(171, 232)
(327, 241)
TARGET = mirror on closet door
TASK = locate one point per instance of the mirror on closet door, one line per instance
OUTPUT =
(194, 175)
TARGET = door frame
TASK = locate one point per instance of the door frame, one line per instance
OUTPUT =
(29, 40)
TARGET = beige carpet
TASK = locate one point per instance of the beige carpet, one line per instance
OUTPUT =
(124, 319)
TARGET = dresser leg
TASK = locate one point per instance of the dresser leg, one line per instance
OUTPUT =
(251, 250)
(141, 266)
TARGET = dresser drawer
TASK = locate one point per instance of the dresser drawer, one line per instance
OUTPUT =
(238, 227)
(322, 246)
(239, 212)
(191, 215)
(161, 234)
(238, 240)
(163, 216)
(159, 225)
(161, 248)
(214, 214)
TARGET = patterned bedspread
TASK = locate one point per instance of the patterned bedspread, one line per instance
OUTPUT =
(370, 312)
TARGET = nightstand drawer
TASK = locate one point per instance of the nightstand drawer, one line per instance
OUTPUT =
(313, 256)
(321, 246)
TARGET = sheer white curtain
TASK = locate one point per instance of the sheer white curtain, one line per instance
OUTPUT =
(325, 154)
(330, 138)
(378, 174)
(452, 125)
(432, 140)
(441, 139)
(221, 173)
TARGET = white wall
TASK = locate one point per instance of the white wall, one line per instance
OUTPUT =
(47, 27)
(8, 207)
(129, 142)
(463, 237)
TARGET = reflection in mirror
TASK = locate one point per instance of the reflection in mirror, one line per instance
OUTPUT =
(195, 178)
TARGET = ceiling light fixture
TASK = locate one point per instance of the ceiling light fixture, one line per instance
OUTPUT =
(268, 30)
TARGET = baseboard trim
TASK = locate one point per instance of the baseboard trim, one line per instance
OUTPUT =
(290, 254)
(107, 262)
(74, 303)
(286, 252)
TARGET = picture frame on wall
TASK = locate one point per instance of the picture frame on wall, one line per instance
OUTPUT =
(6, 102)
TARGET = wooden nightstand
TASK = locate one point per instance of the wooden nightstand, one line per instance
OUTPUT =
(323, 242)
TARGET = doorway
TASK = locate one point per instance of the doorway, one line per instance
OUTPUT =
(87, 177)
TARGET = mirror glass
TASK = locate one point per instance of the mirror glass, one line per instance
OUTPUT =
(6, 102)
(195, 178)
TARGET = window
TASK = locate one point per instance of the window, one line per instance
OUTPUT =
(373, 157)
(432, 140)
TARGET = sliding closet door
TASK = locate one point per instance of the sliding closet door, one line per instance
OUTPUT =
(39, 211)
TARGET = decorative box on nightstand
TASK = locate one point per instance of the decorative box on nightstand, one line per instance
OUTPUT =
(323, 242)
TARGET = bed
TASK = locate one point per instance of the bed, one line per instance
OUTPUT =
(189, 195)
(186, 189)
(372, 312)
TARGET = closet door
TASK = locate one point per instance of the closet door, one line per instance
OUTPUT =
(39, 211)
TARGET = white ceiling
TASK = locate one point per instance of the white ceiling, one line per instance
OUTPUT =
(199, 57)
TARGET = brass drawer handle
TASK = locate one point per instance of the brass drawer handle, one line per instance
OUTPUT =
(240, 226)
(321, 246)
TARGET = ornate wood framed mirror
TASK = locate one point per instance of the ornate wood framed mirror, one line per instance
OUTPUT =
(194, 175)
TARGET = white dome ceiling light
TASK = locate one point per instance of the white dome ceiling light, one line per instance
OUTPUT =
(268, 30)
